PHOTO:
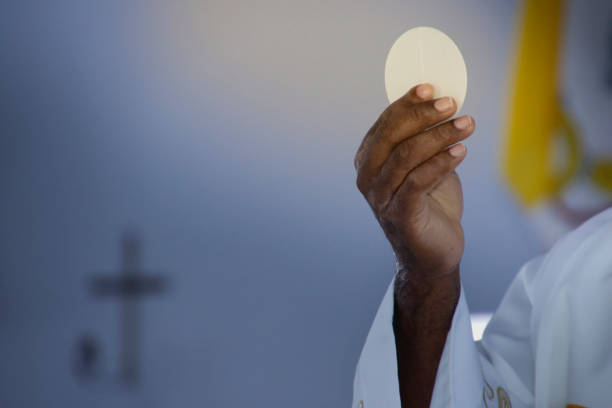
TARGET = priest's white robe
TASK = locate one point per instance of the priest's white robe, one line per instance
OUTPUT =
(549, 344)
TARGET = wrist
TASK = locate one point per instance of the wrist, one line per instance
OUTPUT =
(407, 267)
(422, 286)
(425, 302)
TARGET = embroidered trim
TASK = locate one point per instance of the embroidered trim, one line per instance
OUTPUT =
(503, 399)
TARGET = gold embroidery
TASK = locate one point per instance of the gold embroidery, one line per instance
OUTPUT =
(503, 399)
(490, 395)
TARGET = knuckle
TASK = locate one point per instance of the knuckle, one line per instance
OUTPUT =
(441, 163)
(444, 134)
(400, 108)
(413, 182)
(378, 198)
(410, 98)
(362, 184)
(405, 150)
(415, 114)
(372, 196)
(402, 103)
(420, 114)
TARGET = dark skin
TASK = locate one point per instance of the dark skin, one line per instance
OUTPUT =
(406, 171)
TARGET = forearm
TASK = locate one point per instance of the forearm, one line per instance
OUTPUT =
(423, 313)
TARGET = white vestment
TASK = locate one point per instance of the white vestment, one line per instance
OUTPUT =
(549, 343)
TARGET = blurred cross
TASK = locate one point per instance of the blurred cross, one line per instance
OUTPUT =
(129, 286)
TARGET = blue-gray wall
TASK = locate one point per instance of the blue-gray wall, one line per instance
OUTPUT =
(223, 132)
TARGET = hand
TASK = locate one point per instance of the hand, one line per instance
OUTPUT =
(405, 170)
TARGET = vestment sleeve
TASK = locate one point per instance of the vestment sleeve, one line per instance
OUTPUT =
(469, 374)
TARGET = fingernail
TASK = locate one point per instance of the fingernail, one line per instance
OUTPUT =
(443, 104)
(463, 122)
(457, 150)
(424, 91)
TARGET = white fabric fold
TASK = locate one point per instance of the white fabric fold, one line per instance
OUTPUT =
(547, 345)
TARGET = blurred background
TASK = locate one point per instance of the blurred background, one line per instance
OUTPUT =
(180, 222)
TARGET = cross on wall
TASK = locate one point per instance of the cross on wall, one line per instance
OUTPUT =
(130, 286)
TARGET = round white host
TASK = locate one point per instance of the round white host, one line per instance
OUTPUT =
(426, 55)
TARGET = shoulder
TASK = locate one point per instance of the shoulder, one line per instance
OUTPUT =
(591, 241)
(571, 323)
(577, 263)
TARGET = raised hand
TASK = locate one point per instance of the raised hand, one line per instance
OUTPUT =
(405, 170)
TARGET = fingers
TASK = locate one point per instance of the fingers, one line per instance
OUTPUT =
(397, 124)
(417, 94)
(427, 175)
(416, 150)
